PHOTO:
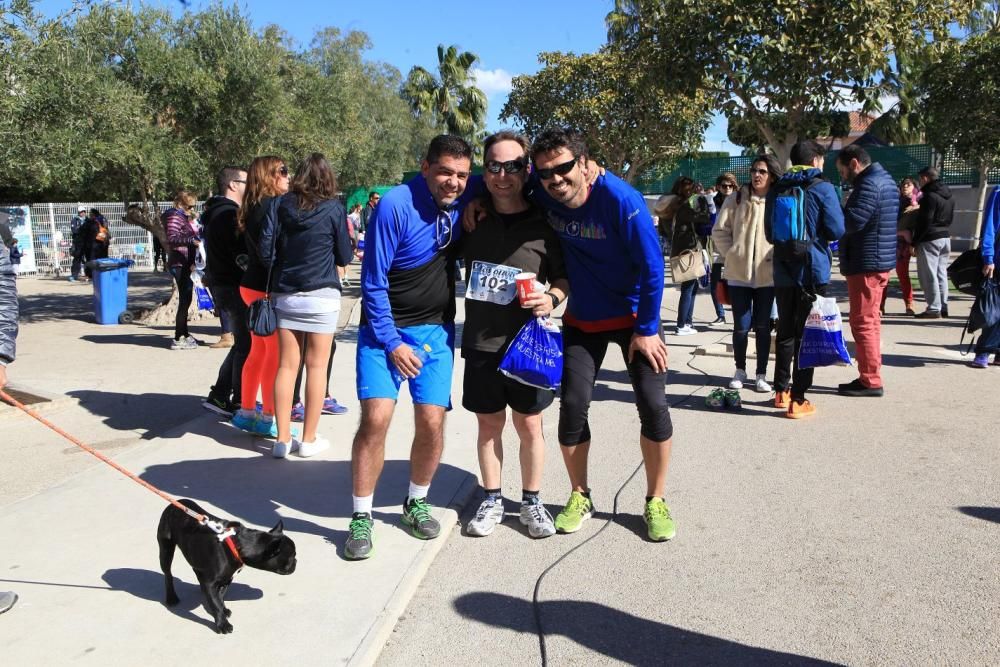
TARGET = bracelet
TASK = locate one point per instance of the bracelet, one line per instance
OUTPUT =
(555, 300)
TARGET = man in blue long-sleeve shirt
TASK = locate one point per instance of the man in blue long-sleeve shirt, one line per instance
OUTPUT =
(407, 331)
(615, 271)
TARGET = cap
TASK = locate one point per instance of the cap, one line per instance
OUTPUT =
(81, 208)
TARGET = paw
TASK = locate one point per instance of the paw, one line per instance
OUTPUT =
(229, 612)
(224, 628)
(172, 600)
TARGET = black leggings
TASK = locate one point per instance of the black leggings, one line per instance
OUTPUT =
(185, 291)
(583, 354)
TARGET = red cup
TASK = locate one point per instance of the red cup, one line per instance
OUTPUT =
(525, 286)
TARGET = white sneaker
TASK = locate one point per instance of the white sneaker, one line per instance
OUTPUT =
(686, 330)
(738, 379)
(762, 386)
(307, 449)
(280, 450)
(537, 519)
(488, 516)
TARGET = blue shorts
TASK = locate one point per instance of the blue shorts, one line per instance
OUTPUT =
(431, 387)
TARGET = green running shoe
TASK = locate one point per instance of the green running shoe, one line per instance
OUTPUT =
(360, 538)
(659, 524)
(417, 515)
(716, 399)
(578, 509)
(733, 400)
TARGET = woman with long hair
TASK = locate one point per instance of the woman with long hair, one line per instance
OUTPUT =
(182, 248)
(747, 268)
(267, 177)
(684, 238)
(309, 240)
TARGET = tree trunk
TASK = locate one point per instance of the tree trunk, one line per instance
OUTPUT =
(982, 187)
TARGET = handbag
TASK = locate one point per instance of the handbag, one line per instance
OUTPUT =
(261, 318)
(689, 265)
(722, 292)
(966, 272)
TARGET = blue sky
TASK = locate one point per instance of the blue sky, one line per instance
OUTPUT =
(507, 36)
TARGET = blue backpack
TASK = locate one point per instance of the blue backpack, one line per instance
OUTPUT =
(789, 232)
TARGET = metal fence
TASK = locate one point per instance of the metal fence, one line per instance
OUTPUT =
(51, 240)
(900, 161)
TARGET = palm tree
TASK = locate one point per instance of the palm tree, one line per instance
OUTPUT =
(451, 98)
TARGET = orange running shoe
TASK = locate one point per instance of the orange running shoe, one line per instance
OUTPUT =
(800, 409)
(782, 399)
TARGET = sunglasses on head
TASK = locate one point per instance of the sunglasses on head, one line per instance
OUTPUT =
(561, 169)
(509, 167)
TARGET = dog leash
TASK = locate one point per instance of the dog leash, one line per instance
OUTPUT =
(216, 527)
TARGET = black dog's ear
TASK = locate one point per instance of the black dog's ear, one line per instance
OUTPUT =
(278, 527)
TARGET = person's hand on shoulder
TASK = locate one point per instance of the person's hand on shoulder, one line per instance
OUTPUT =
(473, 213)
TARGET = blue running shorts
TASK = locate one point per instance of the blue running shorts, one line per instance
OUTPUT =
(432, 386)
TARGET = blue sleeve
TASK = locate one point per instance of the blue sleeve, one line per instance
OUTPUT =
(643, 245)
(268, 233)
(860, 209)
(381, 240)
(991, 223)
(825, 209)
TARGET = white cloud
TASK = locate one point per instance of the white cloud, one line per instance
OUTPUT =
(492, 81)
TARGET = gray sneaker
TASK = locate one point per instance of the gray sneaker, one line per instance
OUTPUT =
(7, 600)
(537, 519)
(360, 537)
(184, 344)
(488, 516)
(417, 515)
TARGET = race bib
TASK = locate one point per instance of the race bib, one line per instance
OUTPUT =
(493, 283)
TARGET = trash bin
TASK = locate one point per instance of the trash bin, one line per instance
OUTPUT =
(110, 289)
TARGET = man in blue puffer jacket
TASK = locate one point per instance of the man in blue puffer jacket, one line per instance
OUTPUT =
(867, 254)
(798, 279)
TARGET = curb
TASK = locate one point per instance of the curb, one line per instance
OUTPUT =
(382, 627)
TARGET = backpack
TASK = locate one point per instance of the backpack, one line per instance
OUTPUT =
(103, 233)
(702, 217)
(789, 232)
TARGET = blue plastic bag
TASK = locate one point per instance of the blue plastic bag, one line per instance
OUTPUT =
(823, 336)
(535, 356)
(204, 297)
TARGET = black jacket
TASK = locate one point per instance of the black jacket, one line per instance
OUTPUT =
(310, 245)
(870, 214)
(937, 210)
(225, 250)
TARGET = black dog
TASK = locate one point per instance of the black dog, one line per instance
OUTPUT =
(213, 561)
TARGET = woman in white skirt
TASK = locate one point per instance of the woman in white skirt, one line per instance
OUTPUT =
(306, 242)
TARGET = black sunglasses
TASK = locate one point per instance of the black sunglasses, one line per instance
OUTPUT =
(762, 172)
(509, 167)
(561, 169)
(283, 171)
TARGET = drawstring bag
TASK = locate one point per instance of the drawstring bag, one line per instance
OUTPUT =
(823, 336)
(535, 356)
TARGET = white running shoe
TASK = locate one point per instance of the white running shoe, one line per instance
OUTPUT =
(488, 516)
(686, 330)
(762, 386)
(537, 519)
(307, 449)
(280, 450)
(738, 379)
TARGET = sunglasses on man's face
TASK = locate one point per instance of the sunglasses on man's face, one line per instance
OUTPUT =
(561, 169)
(509, 167)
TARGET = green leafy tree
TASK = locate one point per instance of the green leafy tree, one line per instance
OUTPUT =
(962, 104)
(450, 100)
(744, 132)
(789, 57)
(630, 126)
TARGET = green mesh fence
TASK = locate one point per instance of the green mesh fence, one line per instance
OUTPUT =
(900, 161)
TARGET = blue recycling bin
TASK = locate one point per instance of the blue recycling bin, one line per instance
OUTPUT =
(110, 289)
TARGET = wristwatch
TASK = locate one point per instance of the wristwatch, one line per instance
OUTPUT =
(555, 300)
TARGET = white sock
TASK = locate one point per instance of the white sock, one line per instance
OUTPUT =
(363, 504)
(417, 491)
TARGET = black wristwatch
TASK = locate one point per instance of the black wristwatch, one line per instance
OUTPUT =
(555, 300)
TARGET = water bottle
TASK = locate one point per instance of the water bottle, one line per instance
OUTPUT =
(423, 353)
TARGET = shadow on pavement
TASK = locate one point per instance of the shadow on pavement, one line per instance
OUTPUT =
(984, 513)
(141, 339)
(155, 414)
(619, 635)
(148, 585)
(252, 490)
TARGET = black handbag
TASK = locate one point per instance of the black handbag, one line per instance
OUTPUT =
(261, 318)
(966, 272)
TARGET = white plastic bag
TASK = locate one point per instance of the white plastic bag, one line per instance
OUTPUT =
(823, 336)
